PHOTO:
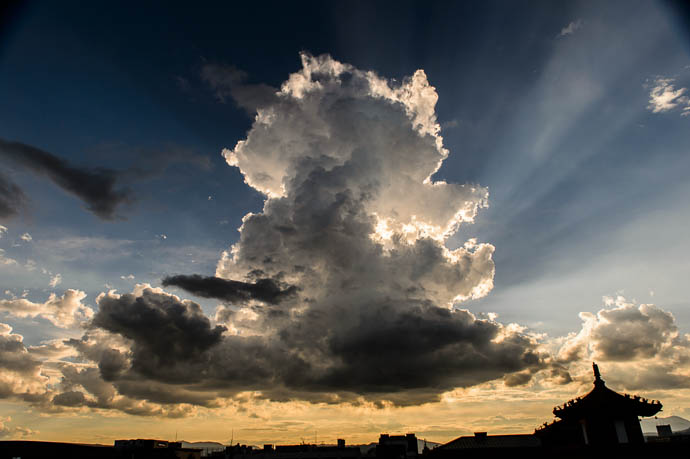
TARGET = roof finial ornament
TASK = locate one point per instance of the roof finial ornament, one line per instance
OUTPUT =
(597, 376)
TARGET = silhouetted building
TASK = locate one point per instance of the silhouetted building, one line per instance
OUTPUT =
(317, 452)
(602, 417)
(49, 449)
(236, 451)
(397, 446)
(601, 424)
(304, 451)
(664, 430)
(480, 440)
(145, 443)
(665, 434)
(141, 448)
(481, 445)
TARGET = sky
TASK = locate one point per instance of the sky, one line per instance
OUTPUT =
(320, 220)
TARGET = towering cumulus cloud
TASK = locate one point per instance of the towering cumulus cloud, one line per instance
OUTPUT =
(342, 288)
(345, 160)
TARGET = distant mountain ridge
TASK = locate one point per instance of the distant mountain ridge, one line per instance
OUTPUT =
(676, 422)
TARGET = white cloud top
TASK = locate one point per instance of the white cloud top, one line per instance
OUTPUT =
(64, 311)
(640, 344)
(345, 158)
(331, 115)
(664, 97)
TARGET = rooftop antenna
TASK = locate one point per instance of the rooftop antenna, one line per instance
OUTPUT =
(175, 435)
(597, 375)
(232, 437)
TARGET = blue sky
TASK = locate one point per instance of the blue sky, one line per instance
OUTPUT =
(548, 105)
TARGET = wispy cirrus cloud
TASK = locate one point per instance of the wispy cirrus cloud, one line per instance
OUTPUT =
(571, 28)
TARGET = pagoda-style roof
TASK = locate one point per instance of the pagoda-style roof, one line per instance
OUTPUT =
(602, 401)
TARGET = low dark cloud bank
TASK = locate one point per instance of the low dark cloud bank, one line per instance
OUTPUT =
(266, 290)
(164, 331)
(97, 188)
(406, 353)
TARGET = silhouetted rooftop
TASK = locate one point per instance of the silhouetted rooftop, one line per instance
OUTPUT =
(601, 399)
(481, 440)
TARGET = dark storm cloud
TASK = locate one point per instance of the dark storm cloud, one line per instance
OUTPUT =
(396, 347)
(165, 331)
(14, 356)
(163, 393)
(98, 188)
(71, 398)
(228, 82)
(628, 332)
(12, 198)
(405, 353)
(517, 379)
(266, 290)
